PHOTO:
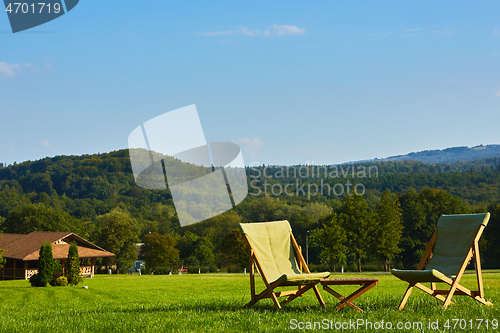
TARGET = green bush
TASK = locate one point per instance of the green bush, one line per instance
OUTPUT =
(61, 281)
(372, 267)
(194, 269)
(234, 269)
(35, 281)
(321, 268)
(162, 271)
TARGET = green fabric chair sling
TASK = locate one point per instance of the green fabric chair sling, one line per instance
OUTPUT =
(278, 258)
(451, 248)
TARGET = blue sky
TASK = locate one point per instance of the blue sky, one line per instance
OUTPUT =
(291, 82)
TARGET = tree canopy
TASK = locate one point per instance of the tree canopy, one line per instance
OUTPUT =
(95, 196)
(158, 251)
(38, 217)
(115, 233)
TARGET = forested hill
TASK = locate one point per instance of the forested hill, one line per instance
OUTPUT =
(448, 155)
(89, 185)
(94, 194)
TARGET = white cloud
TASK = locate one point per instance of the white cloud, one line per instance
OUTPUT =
(218, 33)
(414, 29)
(282, 30)
(498, 93)
(276, 30)
(496, 31)
(9, 70)
(252, 145)
(246, 32)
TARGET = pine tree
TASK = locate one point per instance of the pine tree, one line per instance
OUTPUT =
(45, 265)
(73, 265)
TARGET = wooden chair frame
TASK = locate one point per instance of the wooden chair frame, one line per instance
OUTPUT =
(455, 287)
(366, 284)
(269, 292)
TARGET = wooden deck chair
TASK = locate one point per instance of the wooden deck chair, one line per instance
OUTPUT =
(278, 258)
(451, 248)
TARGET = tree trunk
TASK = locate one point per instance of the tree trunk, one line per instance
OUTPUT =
(359, 263)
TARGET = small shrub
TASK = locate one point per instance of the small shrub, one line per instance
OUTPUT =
(162, 271)
(61, 281)
(372, 267)
(193, 269)
(234, 269)
(35, 281)
(353, 267)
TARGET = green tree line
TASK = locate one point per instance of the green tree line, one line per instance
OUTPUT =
(95, 196)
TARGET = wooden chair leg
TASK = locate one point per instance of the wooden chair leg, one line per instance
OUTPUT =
(318, 296)
(406, 296)
(447, 301)
(275, 299)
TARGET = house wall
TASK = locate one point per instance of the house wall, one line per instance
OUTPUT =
(13, 269)
(23, 270)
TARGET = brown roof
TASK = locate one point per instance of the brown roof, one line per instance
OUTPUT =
(27, 247)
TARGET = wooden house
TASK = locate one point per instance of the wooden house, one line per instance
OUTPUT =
(22, 252)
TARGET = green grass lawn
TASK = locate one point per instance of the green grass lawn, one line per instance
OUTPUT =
(213, 303)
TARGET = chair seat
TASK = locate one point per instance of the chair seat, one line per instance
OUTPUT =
(413, 276)
(299, 279)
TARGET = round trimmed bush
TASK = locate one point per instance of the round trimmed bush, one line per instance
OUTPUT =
(61, 281)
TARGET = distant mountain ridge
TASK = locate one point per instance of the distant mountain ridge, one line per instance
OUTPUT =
(448, 155)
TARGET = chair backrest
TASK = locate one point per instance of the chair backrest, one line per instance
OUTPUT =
(271, 242)
(455, 234)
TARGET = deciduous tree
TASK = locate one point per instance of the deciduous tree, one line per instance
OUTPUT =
(388, 228)
(357, 221)
(116, 234)
(234, 250)
(331, 238)
(38, 217)
(158, 251)
(421, 212)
